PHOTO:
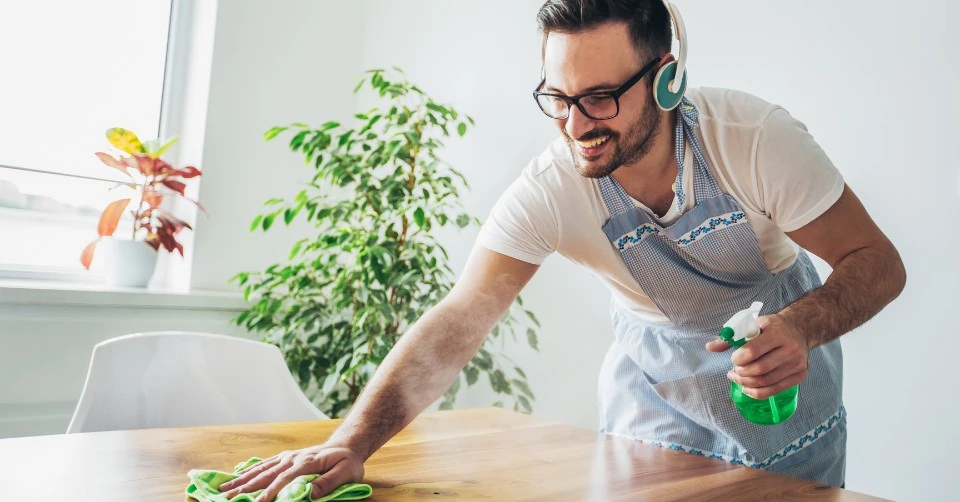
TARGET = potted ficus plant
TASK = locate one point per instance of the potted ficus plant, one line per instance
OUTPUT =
(131, 261)
(372, 264)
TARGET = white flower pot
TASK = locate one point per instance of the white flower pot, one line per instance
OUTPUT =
(127, 263)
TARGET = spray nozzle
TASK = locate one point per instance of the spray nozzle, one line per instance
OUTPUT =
(742, 327)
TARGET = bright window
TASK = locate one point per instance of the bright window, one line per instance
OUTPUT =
(70, 70)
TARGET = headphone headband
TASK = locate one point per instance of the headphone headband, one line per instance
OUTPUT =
(681, 33)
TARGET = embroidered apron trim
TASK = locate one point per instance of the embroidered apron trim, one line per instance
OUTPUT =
(633, 238)
(722, 221)
(795, 446)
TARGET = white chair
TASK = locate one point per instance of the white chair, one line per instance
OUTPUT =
(182, 379)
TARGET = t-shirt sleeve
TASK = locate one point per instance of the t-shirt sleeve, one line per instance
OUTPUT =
(796, 179)
(523, 223)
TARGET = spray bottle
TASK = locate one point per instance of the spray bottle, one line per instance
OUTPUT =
(740, 329)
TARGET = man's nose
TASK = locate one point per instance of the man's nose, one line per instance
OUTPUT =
(578, 124)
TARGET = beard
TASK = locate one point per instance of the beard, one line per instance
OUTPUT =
(629, 147)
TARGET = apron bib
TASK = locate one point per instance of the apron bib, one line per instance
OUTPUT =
(659, 384)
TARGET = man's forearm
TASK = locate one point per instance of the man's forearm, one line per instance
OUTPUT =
(415, 374)
(861, 284)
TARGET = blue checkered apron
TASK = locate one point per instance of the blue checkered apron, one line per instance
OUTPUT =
(659, 384)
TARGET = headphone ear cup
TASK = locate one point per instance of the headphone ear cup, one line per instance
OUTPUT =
(666, 99)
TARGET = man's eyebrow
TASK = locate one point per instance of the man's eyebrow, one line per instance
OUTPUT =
(593, 88)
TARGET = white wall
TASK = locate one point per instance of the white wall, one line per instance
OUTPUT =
(854, 73)
(274, 63)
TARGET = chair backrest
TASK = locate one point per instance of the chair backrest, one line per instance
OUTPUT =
(182, 379)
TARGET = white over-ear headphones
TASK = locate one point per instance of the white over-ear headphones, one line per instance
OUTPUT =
(671, 81)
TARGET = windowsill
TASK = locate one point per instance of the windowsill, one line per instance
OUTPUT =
(50, 293)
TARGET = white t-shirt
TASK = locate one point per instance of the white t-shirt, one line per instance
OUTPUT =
(757, 152)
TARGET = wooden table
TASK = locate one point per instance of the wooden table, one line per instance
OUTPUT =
(482, 454)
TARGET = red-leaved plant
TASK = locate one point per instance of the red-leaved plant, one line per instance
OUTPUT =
(152, 179)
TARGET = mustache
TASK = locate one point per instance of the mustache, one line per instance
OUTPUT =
(594, 134)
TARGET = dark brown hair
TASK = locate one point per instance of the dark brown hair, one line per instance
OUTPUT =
(648, 21)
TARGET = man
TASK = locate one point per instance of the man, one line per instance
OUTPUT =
(688, 214)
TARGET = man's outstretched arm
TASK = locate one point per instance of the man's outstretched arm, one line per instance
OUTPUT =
(419, 369)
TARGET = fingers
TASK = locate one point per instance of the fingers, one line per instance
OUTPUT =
(329, 481)
(261, 481)
(282, 480)
(782, 385)
(763, 380)
(757, 348)
(250, 473)
(778, 358)
(717, 346)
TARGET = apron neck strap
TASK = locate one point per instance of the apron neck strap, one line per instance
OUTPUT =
(704, 186)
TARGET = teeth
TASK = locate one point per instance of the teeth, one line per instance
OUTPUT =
(593, 143)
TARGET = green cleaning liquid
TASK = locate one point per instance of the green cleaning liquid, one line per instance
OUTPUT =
(775, 409)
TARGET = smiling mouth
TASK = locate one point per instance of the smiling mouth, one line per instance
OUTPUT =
(593, 143)
(590, 150)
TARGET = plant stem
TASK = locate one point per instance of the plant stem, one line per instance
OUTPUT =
(137, 215)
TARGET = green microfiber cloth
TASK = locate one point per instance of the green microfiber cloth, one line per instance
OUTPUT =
(205, 487)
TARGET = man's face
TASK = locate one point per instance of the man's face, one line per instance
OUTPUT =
(601, 59)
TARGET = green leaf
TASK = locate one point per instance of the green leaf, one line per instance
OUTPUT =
(461, 129)
(256, 222)
(499, 383)
(296, 248)
(290, 213)
(345, 138)
(463, 220)
(125, 140)
(329, 382)
(532, 339)
(520, 372)
(472, 373)
(329, 125)
(532, 318)
(166, 146)
(297, 140)
(524, 388)
(418, 217)
(273, 132)
(482, 360)
(268, 221)
(525, 403)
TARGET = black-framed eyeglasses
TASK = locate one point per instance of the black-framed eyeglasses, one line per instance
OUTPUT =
(598, 105)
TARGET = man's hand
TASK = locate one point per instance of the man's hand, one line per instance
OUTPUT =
(336, 466)
(770, 363)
